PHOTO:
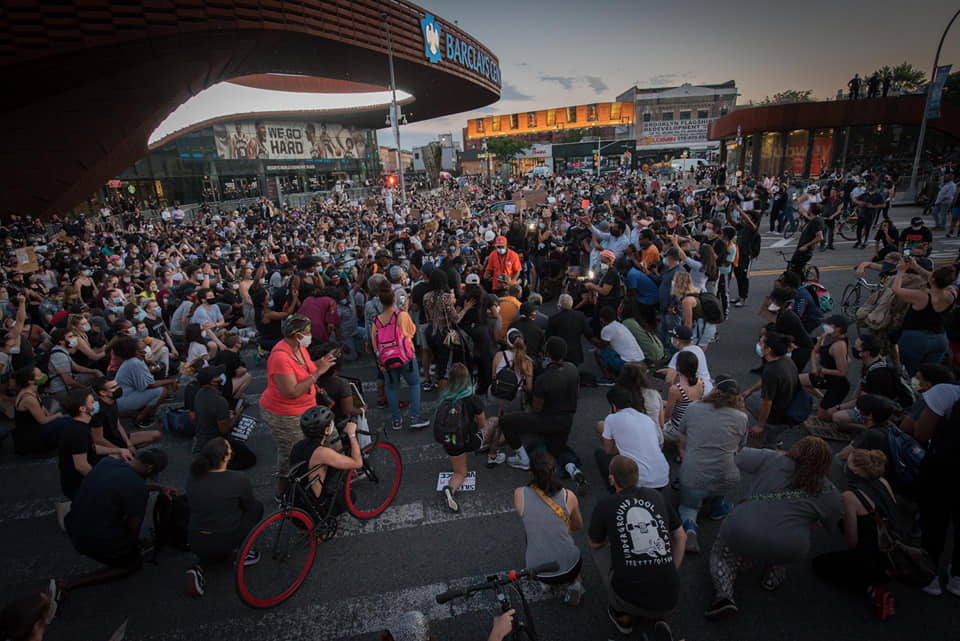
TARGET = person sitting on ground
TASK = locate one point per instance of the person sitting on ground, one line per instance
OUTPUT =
(238, 377)
(789, 323)
(533, 335)
(635, 378)
(615, 347)
(337, 392)
(550, 516)
(36, 431)
(712, 432)
(686, 389)
(790, 493)
(570, 324)
(862, 566)
(778, 385)
(317, 450)
(65, 374)
(877, 377)
(106, 515)
(680, 338)
(627, 431)
(928, 375)
(213, 418)
(459, 392)
(642, 324)
(222, 511)
(105, 427)
(637, 544)
(142, 394)
(828, 367)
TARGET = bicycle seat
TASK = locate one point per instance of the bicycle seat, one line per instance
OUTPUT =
(291, 472)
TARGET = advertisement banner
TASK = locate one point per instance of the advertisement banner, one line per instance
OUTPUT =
(820, 158)
(658, 132)
(938, 83)
(288, 140)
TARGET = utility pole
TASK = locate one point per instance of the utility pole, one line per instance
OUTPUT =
(395, 112)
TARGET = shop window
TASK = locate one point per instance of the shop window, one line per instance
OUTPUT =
(667, 115)
(514, 121)
(592, 112)
(495, 123)
(480, 127)
(723, 111)
(531, 120)
(684, 115)
(616, 111)
(702, 113)
(571, 114)
(551, 117)
(646, 117)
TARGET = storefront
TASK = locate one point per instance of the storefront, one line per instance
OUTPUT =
(538, 155)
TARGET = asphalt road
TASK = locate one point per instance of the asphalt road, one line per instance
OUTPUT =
(375, 570)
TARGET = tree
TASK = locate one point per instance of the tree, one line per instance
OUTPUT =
(506, 149)
(789, 96)
(575, 135)
(906, 78)
(951, 90)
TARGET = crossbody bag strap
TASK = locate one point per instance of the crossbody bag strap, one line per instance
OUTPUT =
(553, 506)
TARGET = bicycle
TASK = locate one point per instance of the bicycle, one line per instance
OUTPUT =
(509, 596)
(847, 226)
(853, 295)
(790, 225)
(287, 539)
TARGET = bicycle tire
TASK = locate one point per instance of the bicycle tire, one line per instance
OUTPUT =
(848, 229)
(369, 494)
(253, 583)
(790, 229)
(523, 628)
(850, 301)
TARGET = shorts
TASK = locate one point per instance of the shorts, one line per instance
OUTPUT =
(611, 360)
(421, 337)
(834, 391)
(459, 449)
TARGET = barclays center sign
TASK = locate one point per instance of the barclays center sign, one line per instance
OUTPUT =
(439, 46)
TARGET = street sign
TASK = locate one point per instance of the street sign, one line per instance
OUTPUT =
(938, 83)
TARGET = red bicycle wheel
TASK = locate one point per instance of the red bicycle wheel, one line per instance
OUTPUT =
(370, 491)
(287, 546)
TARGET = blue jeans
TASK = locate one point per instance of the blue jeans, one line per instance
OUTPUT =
(668, 322)
(918, 347)
(940, 214)
(690, 501)
(409, 372)
(350, 352)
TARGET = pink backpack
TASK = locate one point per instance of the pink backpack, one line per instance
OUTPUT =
(392, 348)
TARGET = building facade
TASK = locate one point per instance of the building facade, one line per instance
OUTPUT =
(449, 152)
(608, 120)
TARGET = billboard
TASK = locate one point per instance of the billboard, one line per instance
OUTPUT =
(597, 114)
(674, 132)
(292, 140)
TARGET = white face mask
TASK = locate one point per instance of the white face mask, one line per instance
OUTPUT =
(72, 342)
(85, 327)
(131, 331)
(146, 351)
(502, 251)
(773, 307)
(828, 329)
(759, 350)
(915, 384)
(305, 341)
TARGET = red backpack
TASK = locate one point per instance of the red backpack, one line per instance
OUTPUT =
(392, 347)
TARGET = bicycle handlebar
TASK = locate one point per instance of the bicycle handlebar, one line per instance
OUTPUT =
(512, 576)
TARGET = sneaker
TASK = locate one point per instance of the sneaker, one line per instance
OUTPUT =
(933, 588)
(145, 425)
(949, 234)
(496, 460)
(662, 631)
(397, 424)
(418, 423)
(740, 303)
(56, 593)
(429, 386)
(953, 584)
(574, 593)
(693, 544)
(623, 622)
(451, 502)
(720, 608)
(883, 605)
(583, 486)
(195, 582)
(720, 510)
(518, 463)
(606, 382)
(252, 558)
(735, 301)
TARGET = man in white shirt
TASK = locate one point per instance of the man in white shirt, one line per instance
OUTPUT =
(631, 433)
(682, 336)
(615, 347)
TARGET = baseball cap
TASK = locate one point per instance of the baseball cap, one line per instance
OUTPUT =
(916, 221)
(501, 241)
(472, 279)
(683, 332)
(207, 374)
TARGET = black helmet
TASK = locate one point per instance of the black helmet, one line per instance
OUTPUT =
(315, 421)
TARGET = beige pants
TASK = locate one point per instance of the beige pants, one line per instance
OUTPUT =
(286, 433)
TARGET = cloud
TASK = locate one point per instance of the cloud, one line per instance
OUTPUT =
(510, 92)
(597, 84)
(564, 81)
(668, 78)
(520, 64)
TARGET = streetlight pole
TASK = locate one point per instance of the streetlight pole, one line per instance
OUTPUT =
(912, 190)
(395, 113)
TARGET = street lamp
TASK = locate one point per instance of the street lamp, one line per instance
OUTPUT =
(912, 190)
(395, 112)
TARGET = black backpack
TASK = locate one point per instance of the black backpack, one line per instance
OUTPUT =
(506, 382)
(171, 518)
(712, 308)
(453, 426)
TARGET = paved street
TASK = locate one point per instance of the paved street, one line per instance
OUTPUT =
(375, 570)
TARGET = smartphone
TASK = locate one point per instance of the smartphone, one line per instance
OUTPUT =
(906, 253)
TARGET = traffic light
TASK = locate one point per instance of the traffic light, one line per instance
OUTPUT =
(392, 180)
(596, 160)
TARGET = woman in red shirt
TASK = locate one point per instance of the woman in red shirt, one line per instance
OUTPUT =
(291, 377)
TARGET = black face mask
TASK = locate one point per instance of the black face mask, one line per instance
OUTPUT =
(856, 353)
(117, 393)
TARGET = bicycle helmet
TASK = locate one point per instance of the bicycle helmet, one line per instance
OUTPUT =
(315, 421)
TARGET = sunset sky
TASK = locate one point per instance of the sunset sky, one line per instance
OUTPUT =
(564, 52)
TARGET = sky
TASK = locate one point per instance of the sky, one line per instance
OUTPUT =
(566, 52)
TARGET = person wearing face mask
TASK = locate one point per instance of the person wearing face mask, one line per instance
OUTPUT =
(77, 452)
(787, 322)
(502, 261)
(65, 373)
(36, 430)
(105, 428)
(291, 377)
(778, 386)
(157, 330)
(207, 314)
(142, 394)
(213, 417)
(828, 368)
(878, 377)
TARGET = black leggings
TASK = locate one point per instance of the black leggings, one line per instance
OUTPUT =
(939, 506)
(552, 431)
(212, 547)
(742, 274)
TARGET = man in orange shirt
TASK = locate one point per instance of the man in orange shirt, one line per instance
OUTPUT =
(502, 261)
(509, 306)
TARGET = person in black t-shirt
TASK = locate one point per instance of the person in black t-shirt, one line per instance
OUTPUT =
(317, 450)
(105, 427)
(555, 393)
(781, 299)
(637, 542)
(810, 237)
(778, 386)
(238, 378)
(78, 454)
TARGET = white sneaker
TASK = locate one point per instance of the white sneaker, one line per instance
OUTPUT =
(933, 588)
(518, 462)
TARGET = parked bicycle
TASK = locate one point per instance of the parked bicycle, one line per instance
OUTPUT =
(854, 294)
(847, 225)
(509, 595)
(287, 540)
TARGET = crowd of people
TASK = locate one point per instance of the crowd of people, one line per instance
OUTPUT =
(124, 315)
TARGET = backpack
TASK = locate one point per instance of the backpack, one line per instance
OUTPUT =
(906, 454)
(821, 295)
(178, 422)
(452, 425)
(393, 349)
(898, 387)
(712, 308)
(883, 310)
(506, 382)
(171, 518)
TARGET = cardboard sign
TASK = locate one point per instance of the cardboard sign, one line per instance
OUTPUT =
(460, 212)
(585, 204)
(521, 205)
(536, 197)
(370, 203)
(510, 209)
(431, 227)
(469, 483)
(26, 260)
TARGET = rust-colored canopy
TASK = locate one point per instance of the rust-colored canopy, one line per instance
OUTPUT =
(87, 81)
